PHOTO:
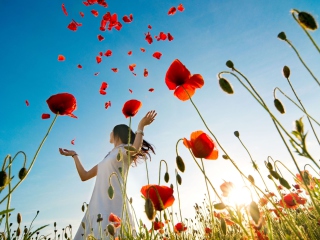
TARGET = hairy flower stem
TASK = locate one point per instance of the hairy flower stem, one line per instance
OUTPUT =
(147, 172)
(160, 169)
(293, 11)
(33, 160)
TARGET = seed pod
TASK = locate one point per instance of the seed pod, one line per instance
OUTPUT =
(229, 64)
(307, 21)
(19, 218)
(279, 106)
(110, 192)
(180, 163)
(236, 133)
(286, 72)
(111, 229)
(179, 179)
(284, 183)
(149, 209)
(22, 173)
(282, 36)
(18, 231)
(225, 86)
(274, 174)
(251, 179)
(4, 179)
(166, 177)
(254, 212)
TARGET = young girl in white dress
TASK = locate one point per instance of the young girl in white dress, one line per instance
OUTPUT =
(100, 203)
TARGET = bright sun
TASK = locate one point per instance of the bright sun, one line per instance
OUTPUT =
(239, 196)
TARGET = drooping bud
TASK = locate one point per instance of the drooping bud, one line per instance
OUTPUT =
(110, 192)
(274, 174)
(269, 165)
(18, 231)
(22, 173)
(65, 235)
(83, 224)
(180, 163)
(179, 179)
(286, 72)
(119, 155)
(166, 177)
(54, 224)
(19, 218)
(149, 209)
(307, 21)
(282, 36)
(82, 208)
(4, 179)
(236, 133)
(225, 86)
(251, 179)
(254, 212)
(299, 126)
(230, 64)
(111, 229)
(279, 106)
(99, 219)
(225, 157)
(284, 183)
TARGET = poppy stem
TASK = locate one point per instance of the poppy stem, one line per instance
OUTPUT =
(178, 195)
(160, 169)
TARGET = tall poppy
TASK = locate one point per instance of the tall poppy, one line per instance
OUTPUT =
(179, 79)
(115, 220)
(62, 103)
(292, 200)
(180, 227)
(131, 107)
(202, 145)
(165, 193)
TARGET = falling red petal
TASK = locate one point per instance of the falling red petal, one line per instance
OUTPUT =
(97, 73)
(61, 58)
(130, 53)
(76, 23)
(130, 90)
(107, 104)
(149, 26)
(132, 66)
(99, 59)
(162, 36)
(134, 74)
(172, 11)
(151, 89)
(170, 38)
(72, 141)
(104, 85)
(108, 53)
(145, 73)
(180, 7)
(79, 66)
(157, 55)
(100, 38)
(86, 3)
(27, 103)
(45, 116)
(95, 13)
(101, 53)
(81, 14)
(64, 9)
(142, 49)
(114, 69)
(102, 92)
(149, 38)
(72, 26)
(127, 19)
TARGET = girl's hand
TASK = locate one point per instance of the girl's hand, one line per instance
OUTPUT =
(147, 119)
(66, 152)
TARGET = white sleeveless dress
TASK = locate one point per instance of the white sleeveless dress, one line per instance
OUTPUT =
(100, 202)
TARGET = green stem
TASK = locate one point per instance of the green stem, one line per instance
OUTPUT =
(8, 202)
(147, 171)
(178, 195)
(160, 169)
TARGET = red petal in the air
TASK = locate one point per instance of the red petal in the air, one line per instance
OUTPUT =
(132, 66)
(127, 19)
(45, 116)
(99, 59)
(81, 14)
(76, 23)
(157, 55)
(72, 26)
(151, 89)
(149, 38)
(27, 103)
(114, 69)
(142, 49)
(170, 38)
(61, 58)
(172, 11)
(162, 36)
(108, 53)
(86, 3)
(149, 26)
(101, 53)
(100, 38)
(102, 92)
(95, 13)
(130, 53)
(104, 85)
(72, 141)
(134, 74)
(97, 73)
(79, 66)
(107, 104)
(180, 7)
(130, 90)
(145, 73)
(64, 9)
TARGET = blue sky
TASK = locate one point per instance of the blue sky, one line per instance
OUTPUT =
(206, 35)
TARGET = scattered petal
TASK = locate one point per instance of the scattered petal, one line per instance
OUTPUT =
(145, 73)
(114, 69)
(81, 14)
(45, 116)
(149, 38)
(86, 3)
(100, 38)
(101, 53)
(27, 103)
(108, 53)
(151, 89)
(162, 36)
(130, 90)
(72, 26)
(64, 9)
(107, 104)
(157, 55)
(95, 13)
(61, 58)
(102, 92)
(170, 38)
(149, 26)
(132, 66)
(97, 73)
(180, 7)
(99, 59)
(142, 49)
(130, 53)
(134, 74)
(104, 85)
(172, 11)
(72, 141)
(79, 66)
(127, 19)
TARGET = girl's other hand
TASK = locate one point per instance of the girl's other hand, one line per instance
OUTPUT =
(148, 118)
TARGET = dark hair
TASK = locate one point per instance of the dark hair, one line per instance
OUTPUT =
(122, 131)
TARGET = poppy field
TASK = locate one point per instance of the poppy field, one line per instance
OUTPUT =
(278, 199)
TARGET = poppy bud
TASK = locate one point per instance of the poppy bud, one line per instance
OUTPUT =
(284, 183)
(282, 36)
(22, 173)
(299, 126)
(166, 177)
(179, 179)
(269, 166)
(229, 64)
(25, 230)
(225, 157)
(171, 186)
(19, 218)
(223, 226)
(236, 133)
(130, 200)
(180, 163)
(286, 72)
(54, 224)
(111, 229)
(65, 235)
(4, 179)
(119, 155)
(274, 174)
(99, 219)
(251, 179)
(269, 176)
(18, 231)
(307, 21)
(254, 212)
(225, 86)
(306, 178)
(279, 106)
(110, 192)
(149, 209)
(120, 170)
(83, 224)
(82, 208)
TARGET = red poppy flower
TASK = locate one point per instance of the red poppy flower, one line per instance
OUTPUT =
(130, 53)
(130, 90)
(292, 200)
(108, 53)
(180, 7)
(142, 49)
(170, 38)
(131, 107)
(45, 116)
(96, 74)
(99, 59)
(145, 73)
(127, 19)
(179, 78)
(132, 66)
(61, 58)
(115, 220)
(72, 141)
(172, 11)
(149, 26)
(226, 188)
(100, 38)
(64, 9)
(95, 13)
(27, 103)
(81, 14)
(207, 230)
(107, 104)
(165, 194)
(62, 103)
(79, 66)
(179, 227)
(148, 38)
(202, 145)
(157, 55)
(114, 69)
(151, 89)
(157, 225)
